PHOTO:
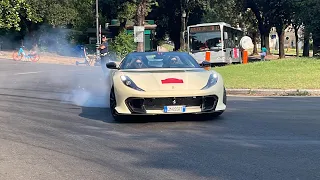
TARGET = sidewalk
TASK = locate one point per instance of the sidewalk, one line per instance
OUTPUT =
(274, 92)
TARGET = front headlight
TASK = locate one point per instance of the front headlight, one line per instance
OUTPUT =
(128, 82)
(213, 79)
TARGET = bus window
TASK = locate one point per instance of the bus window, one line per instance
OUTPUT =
(205, 40)
(230, 42)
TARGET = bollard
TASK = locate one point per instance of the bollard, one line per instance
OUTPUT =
(207, 58)
(245, 57)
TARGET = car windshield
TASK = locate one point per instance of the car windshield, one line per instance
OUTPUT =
(145, 60)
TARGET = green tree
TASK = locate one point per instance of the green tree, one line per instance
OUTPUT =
(170, 21)
(250, 23)
(123, 44)
(261, 10)
(310, 17)
(296, 21)
(126, 12)
(143, 8)
(281, 17)
(227, 11)
(12, 11)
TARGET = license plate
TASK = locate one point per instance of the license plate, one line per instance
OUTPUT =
(174, 109)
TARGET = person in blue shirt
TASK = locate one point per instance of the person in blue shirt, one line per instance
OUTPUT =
(103, 53)
(263, 53)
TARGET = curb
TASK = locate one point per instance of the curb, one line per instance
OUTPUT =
(274, 92)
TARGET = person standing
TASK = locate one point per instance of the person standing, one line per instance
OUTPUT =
(263, 54)
(103, 48)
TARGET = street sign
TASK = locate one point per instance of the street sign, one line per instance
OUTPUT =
(138, 32)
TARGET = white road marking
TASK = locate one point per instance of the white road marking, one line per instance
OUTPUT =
(252, 96)
(36, 72)
(29, 73)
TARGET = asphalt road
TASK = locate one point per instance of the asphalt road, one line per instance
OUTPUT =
(45, 135)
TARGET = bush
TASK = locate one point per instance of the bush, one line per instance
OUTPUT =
(123, 44)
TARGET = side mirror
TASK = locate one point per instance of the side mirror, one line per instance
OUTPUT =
(111, 65)
(205, 64)
(225, 34)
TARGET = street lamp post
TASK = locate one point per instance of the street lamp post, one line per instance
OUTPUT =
(97, 26)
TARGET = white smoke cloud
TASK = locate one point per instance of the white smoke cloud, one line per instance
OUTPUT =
(87, 95)
(79, 85)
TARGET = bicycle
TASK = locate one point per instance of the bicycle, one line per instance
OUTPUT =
(18, 55)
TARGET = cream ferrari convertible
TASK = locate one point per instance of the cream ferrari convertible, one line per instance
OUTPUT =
(157, 83)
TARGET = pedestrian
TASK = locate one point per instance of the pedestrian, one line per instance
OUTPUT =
(104, 53)
(263, 53)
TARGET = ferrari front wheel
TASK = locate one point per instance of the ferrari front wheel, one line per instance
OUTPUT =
(113, 104)
(217, 114)
(213, 115)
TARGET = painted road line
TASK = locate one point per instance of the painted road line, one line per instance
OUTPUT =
(35, 72)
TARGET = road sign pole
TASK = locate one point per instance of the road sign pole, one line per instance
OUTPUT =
(139, 36)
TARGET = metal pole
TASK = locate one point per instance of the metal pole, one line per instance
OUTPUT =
(97, 26)
(184, 29)
(100, 34)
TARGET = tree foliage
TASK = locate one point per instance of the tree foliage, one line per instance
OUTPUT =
(123, 44)
(256, 16)
(223, 11)
(11, 12)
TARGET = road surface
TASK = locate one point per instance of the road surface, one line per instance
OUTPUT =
(45, 134)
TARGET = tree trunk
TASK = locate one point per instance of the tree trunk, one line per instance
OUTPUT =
(183, 24)
(306, 44)
(296, 29)
(186, 38)
(182, 40)
(281, 43)
(316, 44)
(177, 44)
(140, 18)
(122, 25)
(254, 41)
(262, 40)
(267, 42)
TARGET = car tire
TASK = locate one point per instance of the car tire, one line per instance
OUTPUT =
(212, 116)
(113, 104)
(224, 96)
(217, 114)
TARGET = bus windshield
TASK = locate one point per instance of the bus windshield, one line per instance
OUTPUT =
(204, 41)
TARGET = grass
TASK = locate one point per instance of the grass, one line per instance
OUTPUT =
(291, 73)
(289, 51)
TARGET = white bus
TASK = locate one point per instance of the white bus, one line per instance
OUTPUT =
(220, 39)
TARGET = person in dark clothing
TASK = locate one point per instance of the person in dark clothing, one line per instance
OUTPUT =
(104, 53)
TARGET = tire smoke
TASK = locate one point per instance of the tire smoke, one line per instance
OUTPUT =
(91, 92)
(85, 86)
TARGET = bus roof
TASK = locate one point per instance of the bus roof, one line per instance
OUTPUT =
(214, 24)
(211, 24)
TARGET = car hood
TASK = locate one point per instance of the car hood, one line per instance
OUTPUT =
(169, 79)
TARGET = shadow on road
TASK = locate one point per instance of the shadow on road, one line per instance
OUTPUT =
(256, 135)
(103, 114)
(98, 114)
